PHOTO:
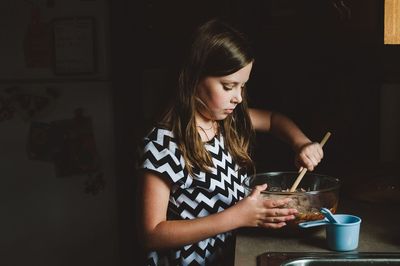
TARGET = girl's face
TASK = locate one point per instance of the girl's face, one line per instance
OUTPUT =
(221, 94)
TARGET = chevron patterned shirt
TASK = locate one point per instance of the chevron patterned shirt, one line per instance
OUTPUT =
(194, 197)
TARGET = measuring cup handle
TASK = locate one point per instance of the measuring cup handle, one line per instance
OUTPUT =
(313, 223)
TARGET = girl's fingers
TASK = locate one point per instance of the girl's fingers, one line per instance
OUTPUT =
(310, 156)
(278, 219)
(280, 212)
(268, 203)
(272, 225)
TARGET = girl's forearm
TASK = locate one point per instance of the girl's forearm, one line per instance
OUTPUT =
(176, 233)
(288, 131)
(280, 126)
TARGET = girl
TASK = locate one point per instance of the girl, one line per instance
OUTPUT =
(195, 159)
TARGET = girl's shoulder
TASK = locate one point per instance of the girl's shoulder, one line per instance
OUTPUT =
(160, 135)
(161, 154)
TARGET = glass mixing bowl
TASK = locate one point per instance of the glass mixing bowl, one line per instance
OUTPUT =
(313, 192)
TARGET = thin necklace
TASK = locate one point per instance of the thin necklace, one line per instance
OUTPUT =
(212, 125)
(204, 130)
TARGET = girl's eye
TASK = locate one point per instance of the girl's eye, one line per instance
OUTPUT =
(227, 87)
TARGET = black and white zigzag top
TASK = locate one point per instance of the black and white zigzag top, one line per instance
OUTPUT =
(193, 197)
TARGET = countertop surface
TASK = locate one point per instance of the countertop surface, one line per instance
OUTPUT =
(379, 232)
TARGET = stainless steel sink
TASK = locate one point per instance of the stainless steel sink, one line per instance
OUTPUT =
(327, 258)
(358, 261)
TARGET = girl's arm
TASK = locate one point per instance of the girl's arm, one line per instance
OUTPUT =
(161, 233)
(308, 153)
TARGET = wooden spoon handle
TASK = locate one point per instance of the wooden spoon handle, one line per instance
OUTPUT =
(325, 139)
(303, 172)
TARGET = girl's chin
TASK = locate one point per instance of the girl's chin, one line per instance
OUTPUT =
(222, 116)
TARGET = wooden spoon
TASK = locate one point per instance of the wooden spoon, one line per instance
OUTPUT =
(303, 172)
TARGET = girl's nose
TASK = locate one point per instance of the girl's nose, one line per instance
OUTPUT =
(237, 97)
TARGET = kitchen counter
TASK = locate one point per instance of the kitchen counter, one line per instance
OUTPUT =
(379, 232)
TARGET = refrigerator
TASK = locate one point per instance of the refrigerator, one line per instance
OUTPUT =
(58, 192)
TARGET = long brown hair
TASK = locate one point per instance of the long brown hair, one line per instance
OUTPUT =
(217, 50)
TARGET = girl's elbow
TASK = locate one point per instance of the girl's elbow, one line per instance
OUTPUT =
(150, 241)
(148, 245)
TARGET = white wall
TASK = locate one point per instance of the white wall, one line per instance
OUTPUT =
(48, 220)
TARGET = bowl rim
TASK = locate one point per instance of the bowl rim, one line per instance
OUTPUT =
(336, 187)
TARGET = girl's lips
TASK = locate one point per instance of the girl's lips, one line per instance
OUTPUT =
(229, 110)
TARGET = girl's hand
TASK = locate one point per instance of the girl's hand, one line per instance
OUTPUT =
(250, 210)
(254, 210)
(309, 156)
(276, 215)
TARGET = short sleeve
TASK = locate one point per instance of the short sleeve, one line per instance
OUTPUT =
(160, 154)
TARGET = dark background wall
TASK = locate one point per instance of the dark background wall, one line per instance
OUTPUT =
(314, 62)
